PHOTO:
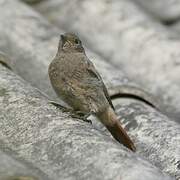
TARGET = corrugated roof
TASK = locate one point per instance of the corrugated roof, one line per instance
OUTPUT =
(128, 48)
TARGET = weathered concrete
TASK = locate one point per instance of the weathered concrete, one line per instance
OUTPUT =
(37, 50)
(11, 167)
(131, 41)
(164, 10)
(23, 41)
(175, 28)
(154, 138)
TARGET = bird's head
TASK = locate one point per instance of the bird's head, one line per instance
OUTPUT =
(70, 42)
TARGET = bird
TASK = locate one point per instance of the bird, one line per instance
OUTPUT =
(75, 79)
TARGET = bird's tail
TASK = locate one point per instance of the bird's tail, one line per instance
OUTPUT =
(110, 120)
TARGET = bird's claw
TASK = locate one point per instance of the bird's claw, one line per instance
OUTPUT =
(81, 115)
(63, 108)
(73, 114)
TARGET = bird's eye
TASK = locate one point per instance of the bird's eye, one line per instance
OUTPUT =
(76, 41)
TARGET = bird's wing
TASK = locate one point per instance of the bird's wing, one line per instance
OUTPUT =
(91, 69)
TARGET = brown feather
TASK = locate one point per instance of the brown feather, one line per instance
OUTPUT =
(109, 119)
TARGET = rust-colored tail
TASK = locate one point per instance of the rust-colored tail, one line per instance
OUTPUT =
(109, 119)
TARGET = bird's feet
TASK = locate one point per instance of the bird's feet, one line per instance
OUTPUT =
(63, 108)
(74, 114)
(81, 115)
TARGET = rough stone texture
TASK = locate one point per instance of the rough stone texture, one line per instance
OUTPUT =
(63, 147)
(141, 121)
(22, 44)
(165, 10)
(131, 41)
(175, 28)
(11, 166)
(157, 138)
